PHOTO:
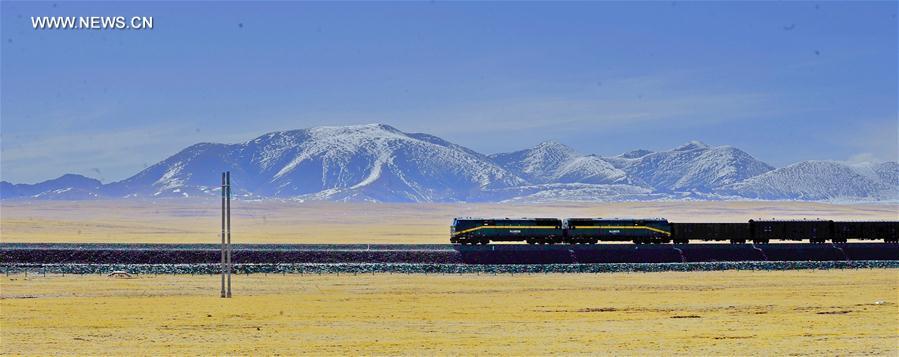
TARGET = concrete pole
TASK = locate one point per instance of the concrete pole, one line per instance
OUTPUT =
(228, 176)
(223, 234)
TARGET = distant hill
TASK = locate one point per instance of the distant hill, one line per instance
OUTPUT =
(551, 162)
(377, 162)
(65, 187)
(822, 180)
(691, 167)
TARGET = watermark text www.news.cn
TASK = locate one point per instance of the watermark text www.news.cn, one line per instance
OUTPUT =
(92, 22)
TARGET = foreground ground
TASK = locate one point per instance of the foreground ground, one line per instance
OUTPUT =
(832, 312)
(197, 221)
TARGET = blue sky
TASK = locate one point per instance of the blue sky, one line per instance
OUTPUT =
(785, 81)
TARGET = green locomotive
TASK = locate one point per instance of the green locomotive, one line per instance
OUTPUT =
(485, 230)
(640, 231)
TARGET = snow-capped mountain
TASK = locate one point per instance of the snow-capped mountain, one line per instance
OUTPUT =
(694, 166)
(380, 163)
(364, 162)
(822, 180)
(552, 162)
(572, 192)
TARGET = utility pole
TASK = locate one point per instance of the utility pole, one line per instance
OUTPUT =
(223, 235)
(226, 233)
(228, 184)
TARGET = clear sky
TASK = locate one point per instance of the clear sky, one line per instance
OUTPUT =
(785, 81)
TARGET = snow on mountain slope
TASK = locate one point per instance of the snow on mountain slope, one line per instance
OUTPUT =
(635, 154)
(886, 172)
(362, 162)
(578, 192)
(822, 180)
(193, 171)
(537, 164)
(551, 162)
(575, 192)
(692, 167)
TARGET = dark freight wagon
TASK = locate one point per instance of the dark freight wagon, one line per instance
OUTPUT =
(733, 232)
(592, 230)
(888, 231)
(484, 230)
(815, 231)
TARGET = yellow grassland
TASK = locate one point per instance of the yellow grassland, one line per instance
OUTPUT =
(197, 221)
(824, 312)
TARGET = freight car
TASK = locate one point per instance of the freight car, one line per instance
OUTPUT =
(659, 230)
(874, 230)
(736, 233)
(815, 231)
(485, 230)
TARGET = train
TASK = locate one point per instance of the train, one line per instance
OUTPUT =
(471, 231)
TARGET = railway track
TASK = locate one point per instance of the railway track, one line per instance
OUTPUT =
(86, 253)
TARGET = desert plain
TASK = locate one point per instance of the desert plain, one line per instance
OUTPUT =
(824, 312)
(272, 221)
(804, 312)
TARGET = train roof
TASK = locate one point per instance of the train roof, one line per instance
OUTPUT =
(866, 221)
(617, 219)
(553, 218)
(504, 218)
(790, 220)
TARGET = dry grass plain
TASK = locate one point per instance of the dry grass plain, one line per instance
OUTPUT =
(700, 313)
(831, 312)
(197, 221)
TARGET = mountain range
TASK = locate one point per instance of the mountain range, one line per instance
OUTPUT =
(380, 163)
